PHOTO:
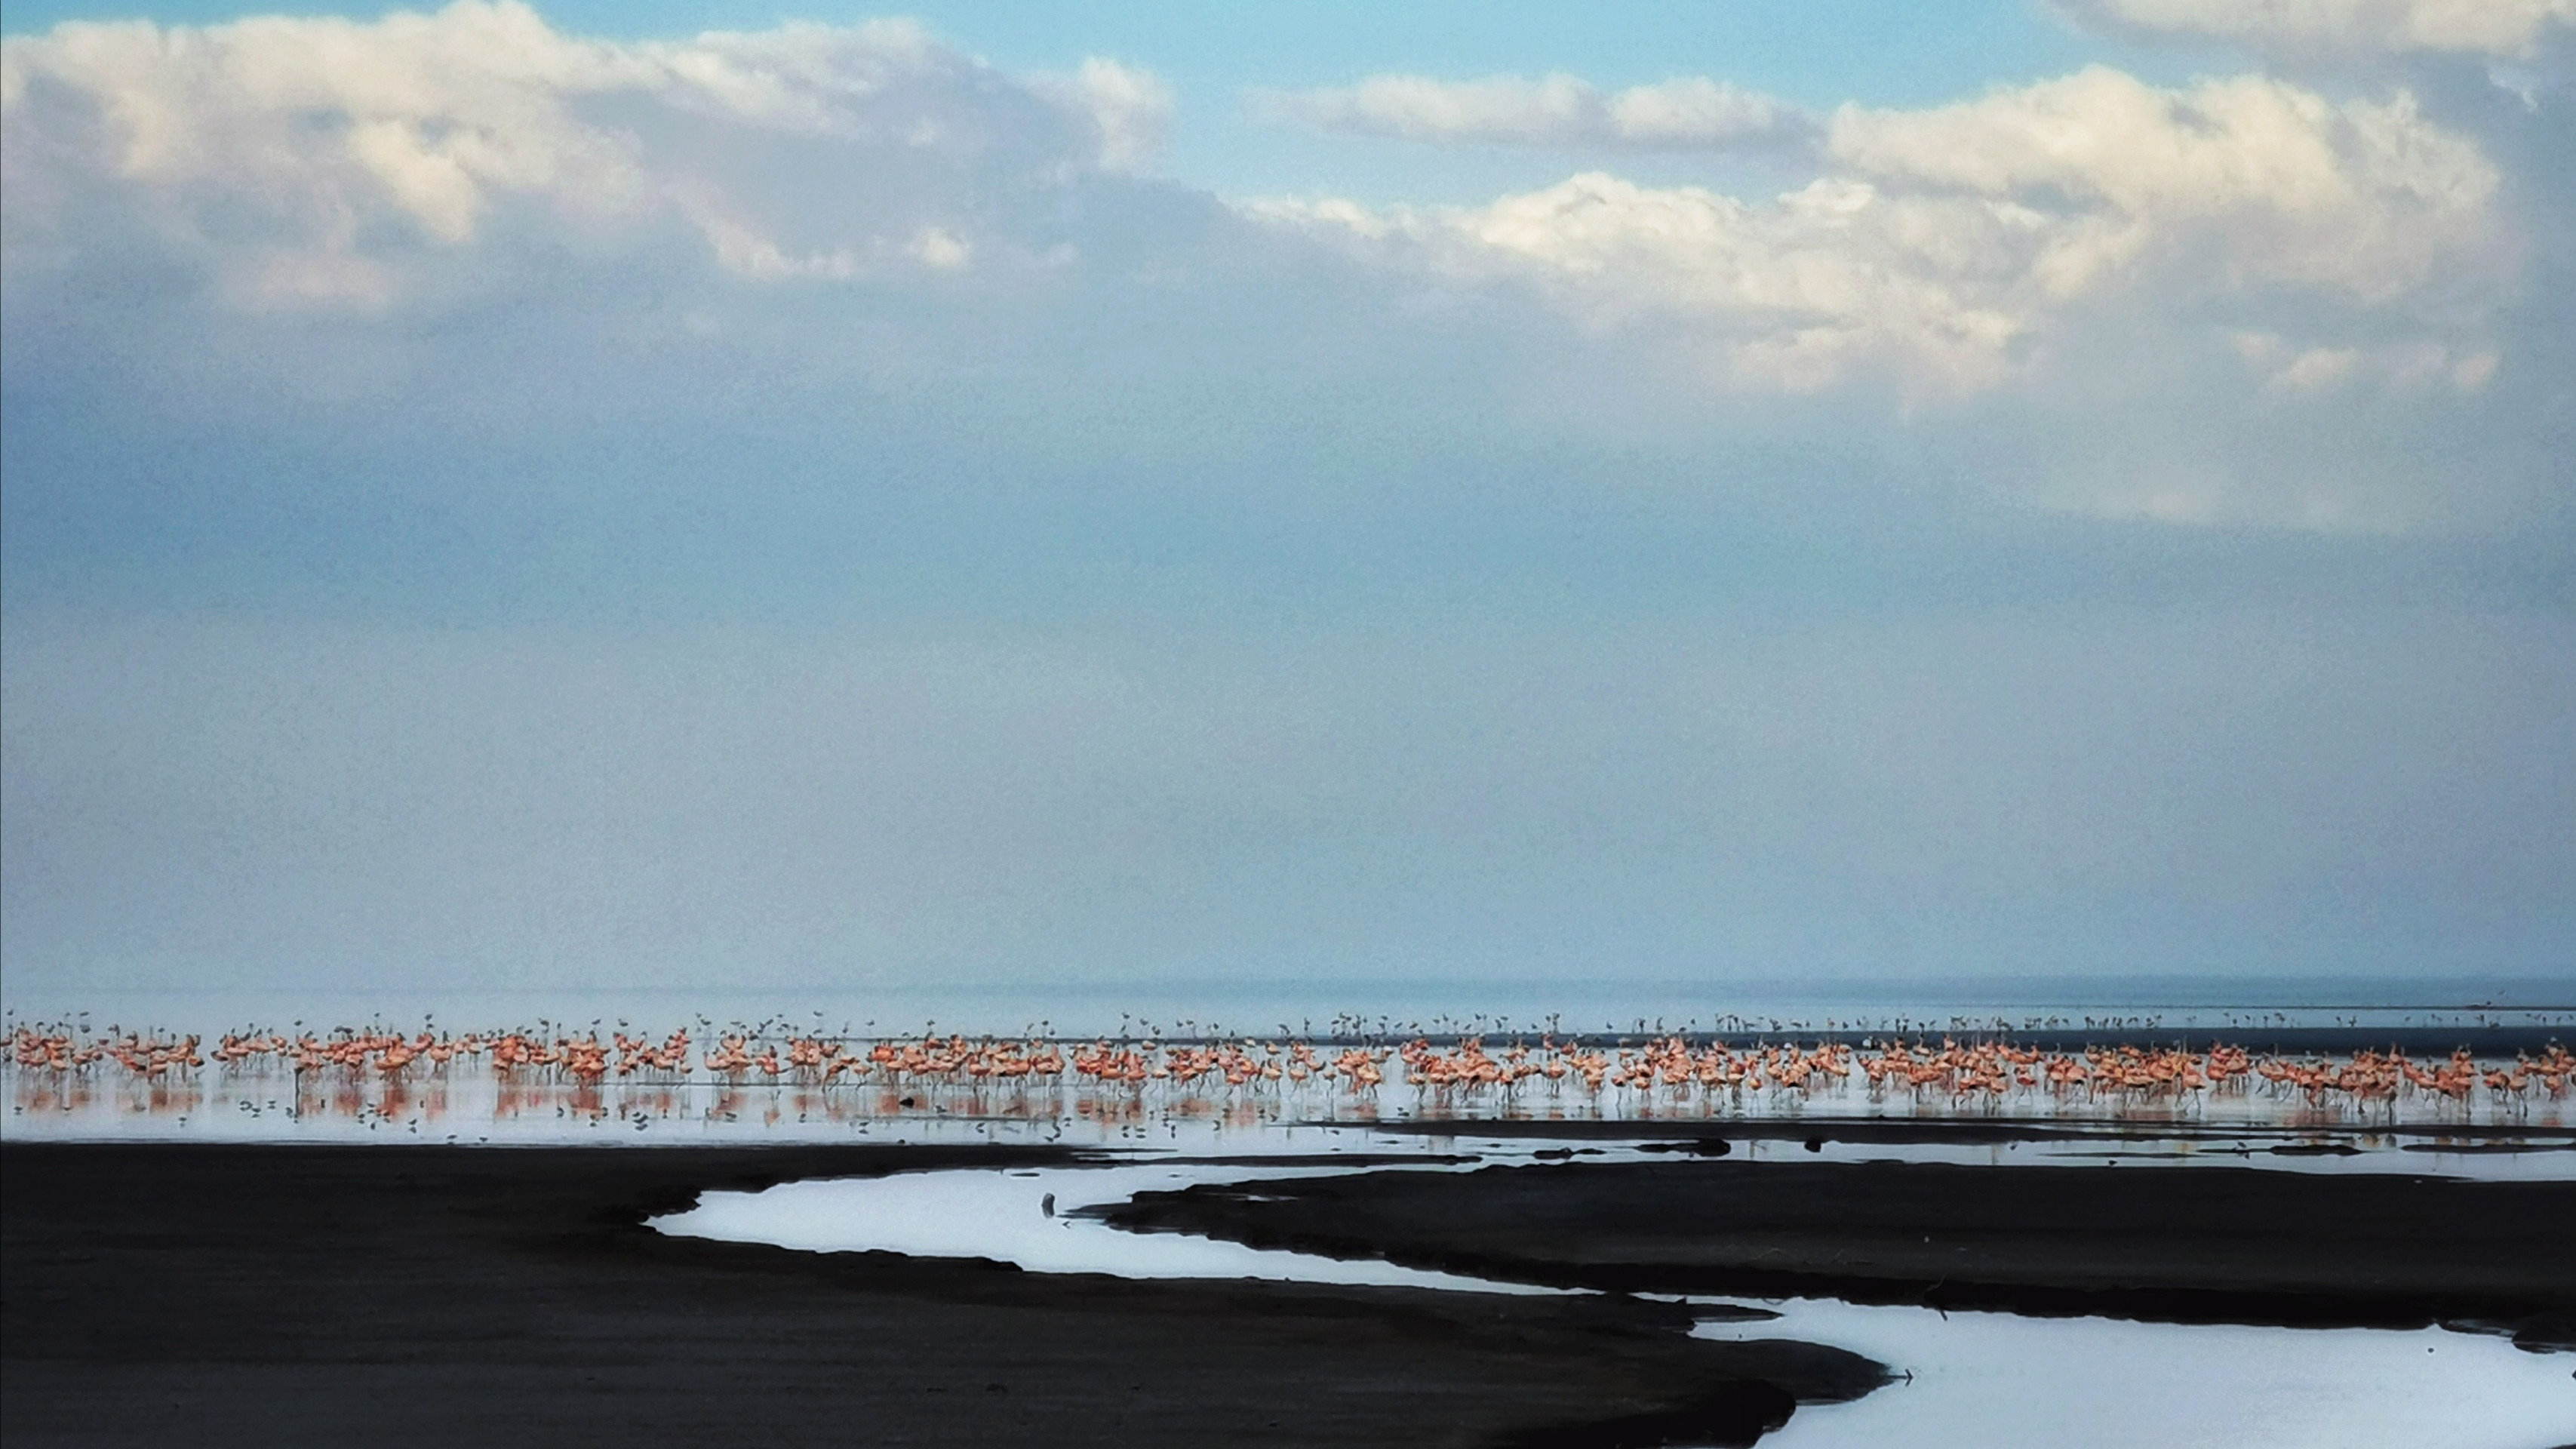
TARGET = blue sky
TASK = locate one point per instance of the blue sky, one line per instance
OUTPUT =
(1118, 494)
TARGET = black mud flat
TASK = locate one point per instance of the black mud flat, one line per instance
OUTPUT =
(2182, 1244)
(209, 1295)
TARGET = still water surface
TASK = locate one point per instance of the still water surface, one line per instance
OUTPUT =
(1965, 1378)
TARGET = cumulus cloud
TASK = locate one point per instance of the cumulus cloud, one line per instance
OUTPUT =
(1687, 112)
(1946, 245)
(322, 161)
(2365, 197)
(1131, 107)
(470, 214)
(2498, 28)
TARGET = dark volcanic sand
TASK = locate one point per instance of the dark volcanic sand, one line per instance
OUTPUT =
(2195, 1244)
(455, 1296)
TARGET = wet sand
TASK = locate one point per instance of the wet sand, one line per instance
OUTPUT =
(2193, 1245)
(206, 1294)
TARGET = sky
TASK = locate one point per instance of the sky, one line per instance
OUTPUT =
(677, 495)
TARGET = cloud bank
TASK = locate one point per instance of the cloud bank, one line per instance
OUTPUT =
(327, 162)
(2242, 277)
(1944, 244)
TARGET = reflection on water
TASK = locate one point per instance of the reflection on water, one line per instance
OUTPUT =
(67, 1081)
(477, 1106)
(465, 1099)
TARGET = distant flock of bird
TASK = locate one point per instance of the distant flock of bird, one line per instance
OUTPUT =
(1963, 1072)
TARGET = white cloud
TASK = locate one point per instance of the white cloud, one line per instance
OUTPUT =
(320, 161)
(735, 220)
(1945, 245)
(939, 248)
(2406, 367)
(1554, 110)
(1131, 107)
(1790, 294)
(745, 252)
(2500, 28)
(1694, 110)
(2366, 196)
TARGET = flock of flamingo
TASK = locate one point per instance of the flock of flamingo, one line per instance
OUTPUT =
(1981, 1073)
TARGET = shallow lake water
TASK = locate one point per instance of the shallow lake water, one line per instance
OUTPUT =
(471, 1108)
(2000, 1379)
(1964, 1378)
(1029, 1217)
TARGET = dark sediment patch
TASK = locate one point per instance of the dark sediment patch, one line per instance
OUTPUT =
(420, 1295)
(2204, 1244)
(1737, 1414)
